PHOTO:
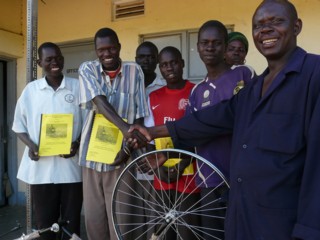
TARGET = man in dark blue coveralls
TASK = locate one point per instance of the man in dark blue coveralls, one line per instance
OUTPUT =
(275, 163)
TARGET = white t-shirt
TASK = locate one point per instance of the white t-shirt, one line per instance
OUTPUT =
(157, 83)
(39, 98)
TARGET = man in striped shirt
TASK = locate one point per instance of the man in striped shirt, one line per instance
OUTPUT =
(114, 89)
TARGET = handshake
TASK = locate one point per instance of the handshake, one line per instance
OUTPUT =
(138, 136)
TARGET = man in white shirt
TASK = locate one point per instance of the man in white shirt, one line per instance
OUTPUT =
(56, 181)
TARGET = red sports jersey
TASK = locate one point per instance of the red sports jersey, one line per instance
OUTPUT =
(170, 105)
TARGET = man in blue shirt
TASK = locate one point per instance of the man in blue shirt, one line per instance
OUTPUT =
(220, 83)
(274, 172)
(115, 89)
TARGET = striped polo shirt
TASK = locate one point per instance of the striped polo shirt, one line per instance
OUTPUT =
(126, 93)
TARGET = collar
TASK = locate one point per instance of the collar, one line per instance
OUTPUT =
(103, 72)
(158, 81)
(294, 64)
(43, 83)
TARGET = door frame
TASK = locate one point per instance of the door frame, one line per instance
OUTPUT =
(10, 160)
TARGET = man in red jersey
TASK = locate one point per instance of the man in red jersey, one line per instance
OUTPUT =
(168, 104)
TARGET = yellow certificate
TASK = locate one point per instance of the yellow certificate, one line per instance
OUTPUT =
(55, 134)
(105, 141)
(162, 143)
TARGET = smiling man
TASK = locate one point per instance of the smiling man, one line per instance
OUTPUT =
(169, 103)
(56, 182)
(220, 83)
(115, 89)
(274, 168)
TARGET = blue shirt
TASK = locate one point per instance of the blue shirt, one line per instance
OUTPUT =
(208, 93)
(275, 159)
(126, 93)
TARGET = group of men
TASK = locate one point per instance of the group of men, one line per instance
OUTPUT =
(264, 137)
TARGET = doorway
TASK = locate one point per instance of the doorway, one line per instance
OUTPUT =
(3, 73)
(8, 142)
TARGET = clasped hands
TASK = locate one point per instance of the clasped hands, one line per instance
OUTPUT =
(138, 136)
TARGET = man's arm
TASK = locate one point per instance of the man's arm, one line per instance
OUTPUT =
(33, 148)
(149, 133)
(195, 129)
(125, 152)
(307, 226)
(107, 110)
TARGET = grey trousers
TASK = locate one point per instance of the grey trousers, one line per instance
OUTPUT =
(97, 194)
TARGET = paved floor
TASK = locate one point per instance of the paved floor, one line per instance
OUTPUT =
(13, 223)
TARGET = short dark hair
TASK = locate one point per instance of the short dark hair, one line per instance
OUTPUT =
(105, 32)
(214, 24)
(148, 44)
(171, 49)
(291, 8)
(47, 45)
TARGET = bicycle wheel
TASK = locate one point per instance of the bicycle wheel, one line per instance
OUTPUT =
(175, 205)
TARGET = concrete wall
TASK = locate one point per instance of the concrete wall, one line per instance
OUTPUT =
(64, 21)
(11, 38)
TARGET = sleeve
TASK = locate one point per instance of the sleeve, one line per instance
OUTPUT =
(250, 72)
(149, 120)
(89, 86)
(201, 126)
(140, 96)
(191, 103)
(20, 119)
(247, 73)
(307, 226)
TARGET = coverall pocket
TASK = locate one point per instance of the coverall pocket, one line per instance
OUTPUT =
(282, 133)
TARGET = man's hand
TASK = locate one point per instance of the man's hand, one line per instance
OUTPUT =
(168, 174)
(33, 148)
(33, 152)
(137, 138)
(124, 153)
(73, 150)
(150, 163)
(172, 174)
(139, 135)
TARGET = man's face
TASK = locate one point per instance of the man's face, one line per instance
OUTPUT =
(108, 51)
(211, 46)
(147, 58)
(171, 67)
(274, 30)
(235, 53)
(51, 61)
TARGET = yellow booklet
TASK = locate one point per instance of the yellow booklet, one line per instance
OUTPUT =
(105, 141)
(55, 134)
(162, 143)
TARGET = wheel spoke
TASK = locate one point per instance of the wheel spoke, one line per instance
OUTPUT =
(139, 210)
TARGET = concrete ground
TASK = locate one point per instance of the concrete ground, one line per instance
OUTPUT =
(13, 223)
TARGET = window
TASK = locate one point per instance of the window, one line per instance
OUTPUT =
(75, 54)
(186, 42)
(127, 8)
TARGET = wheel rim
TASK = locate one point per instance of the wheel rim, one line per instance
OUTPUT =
(136, 216)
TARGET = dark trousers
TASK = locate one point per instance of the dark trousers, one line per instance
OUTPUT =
(54, 202)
